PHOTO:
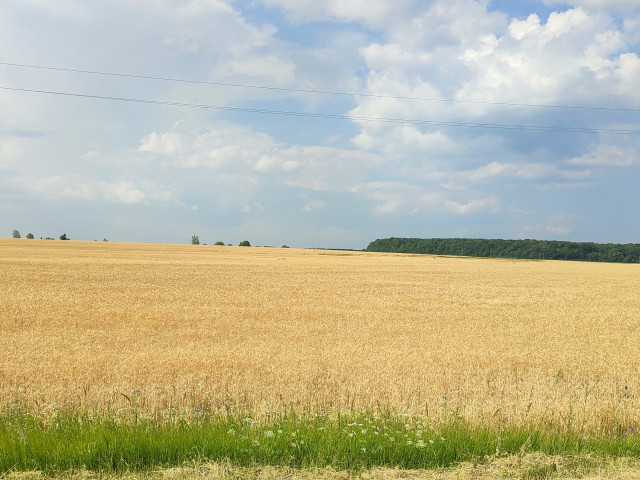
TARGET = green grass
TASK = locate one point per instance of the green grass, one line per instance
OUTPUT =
(111, 443)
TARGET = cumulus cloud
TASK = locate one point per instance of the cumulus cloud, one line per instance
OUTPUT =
(434, 63)
(402, 140)
(559, 61)
(242, 151)
(164, 143)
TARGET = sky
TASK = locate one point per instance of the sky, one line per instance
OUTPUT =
(320, 123)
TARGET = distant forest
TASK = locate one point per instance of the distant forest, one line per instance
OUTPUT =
(524, 249)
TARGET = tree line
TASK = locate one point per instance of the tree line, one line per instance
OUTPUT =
(16, 234)
(519, 249)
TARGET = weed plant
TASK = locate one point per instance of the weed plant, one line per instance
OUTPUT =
(108, 443)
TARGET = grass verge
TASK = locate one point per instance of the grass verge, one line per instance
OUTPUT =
(110, 443)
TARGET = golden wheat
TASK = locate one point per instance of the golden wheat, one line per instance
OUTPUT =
(106, 324)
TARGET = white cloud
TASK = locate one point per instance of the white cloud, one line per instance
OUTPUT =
(63, 8)
(118, 155)
(561, 61)
(606, 5)
(561, 224)
(373, 13)
(9, 151)
(565, 185)
(522, 28)
(196, 8)
(627, 74)
(122, 192)
(164, 143)
(453, 186)
(126, 192)
(182, 43)
(316, 168)
(241, 151)
(397, 197)
(313, 206)
(490, 204)
(404, 139)
(404, 198)
(223, 147)
(280, 71)
(524, 171)
(254, 207)
(607, 156)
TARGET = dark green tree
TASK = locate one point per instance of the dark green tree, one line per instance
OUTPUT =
(244, 243)
(30, 236)
(525, 249)
(195, 240)
(16, 234)
(64, 237)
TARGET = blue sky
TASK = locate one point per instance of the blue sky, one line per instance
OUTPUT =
(131, 171)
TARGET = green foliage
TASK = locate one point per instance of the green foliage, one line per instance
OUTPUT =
(520, 249)
(195, 240)
(30, 236)
(244, 243)
(109, 443)
(219, 243)
(16, 234)
(64, 237)
(285, 246)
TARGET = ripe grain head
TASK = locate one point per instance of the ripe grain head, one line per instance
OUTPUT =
(108, 325)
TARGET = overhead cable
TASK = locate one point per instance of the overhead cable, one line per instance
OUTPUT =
(324, 92)
(336, 116)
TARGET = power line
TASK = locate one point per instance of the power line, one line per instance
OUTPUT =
(336, 116)
(324, 92)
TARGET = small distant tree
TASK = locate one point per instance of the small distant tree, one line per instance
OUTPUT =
(30, 236)
(195, 240)
(64, 237)
(244, 243)
(16, 234)
(219, 243)
(285, 246)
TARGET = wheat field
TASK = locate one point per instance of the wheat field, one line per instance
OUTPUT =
(102, 325)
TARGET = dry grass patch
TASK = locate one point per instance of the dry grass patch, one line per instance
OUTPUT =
(519, 467)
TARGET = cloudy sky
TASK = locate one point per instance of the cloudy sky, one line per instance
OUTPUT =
(343, 121)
